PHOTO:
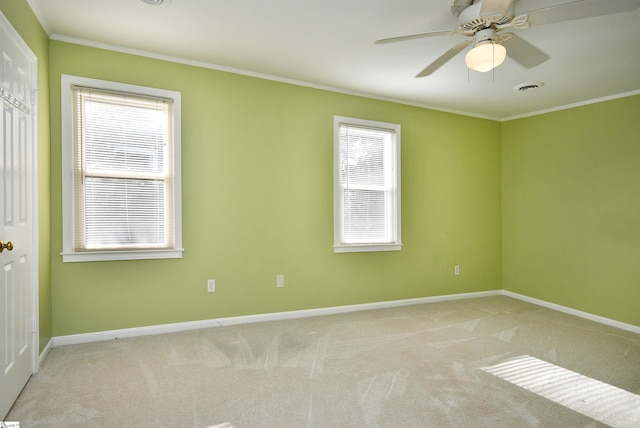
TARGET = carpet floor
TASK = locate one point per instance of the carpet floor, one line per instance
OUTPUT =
(429, 365)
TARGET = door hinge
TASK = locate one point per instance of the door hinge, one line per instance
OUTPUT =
(34, 325)
(34, 96)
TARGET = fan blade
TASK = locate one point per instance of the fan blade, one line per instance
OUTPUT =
(442, 60)
(579, 9)
(416, 36)
(523, 52)
(494, 7)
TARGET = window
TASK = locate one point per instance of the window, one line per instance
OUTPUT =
(366, 185)
(121, 171)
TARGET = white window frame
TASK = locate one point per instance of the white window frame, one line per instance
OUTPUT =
(392, 206)
(68, 252)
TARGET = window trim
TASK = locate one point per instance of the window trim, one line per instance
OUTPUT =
(68, 253)
(342, 247)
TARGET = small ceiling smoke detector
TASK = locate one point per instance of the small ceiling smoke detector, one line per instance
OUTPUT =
(457, 6)
(524, 87)
(153, 2)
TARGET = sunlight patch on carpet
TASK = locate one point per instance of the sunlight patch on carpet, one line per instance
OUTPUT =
(600, 401)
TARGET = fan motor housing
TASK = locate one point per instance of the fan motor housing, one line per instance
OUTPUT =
(471, 21)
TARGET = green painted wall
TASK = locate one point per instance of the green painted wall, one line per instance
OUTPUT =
(24, 21)
(571, 208)
(257, 201)
(546, 206)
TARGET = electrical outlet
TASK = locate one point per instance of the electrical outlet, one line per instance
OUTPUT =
(456, 270)
(211, 286)
(280, 281)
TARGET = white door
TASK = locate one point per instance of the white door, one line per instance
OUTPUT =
(16, 192)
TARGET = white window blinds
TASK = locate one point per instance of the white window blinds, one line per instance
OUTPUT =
(123, 171)
(367, 190)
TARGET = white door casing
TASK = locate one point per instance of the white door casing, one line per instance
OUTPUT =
(18, 219)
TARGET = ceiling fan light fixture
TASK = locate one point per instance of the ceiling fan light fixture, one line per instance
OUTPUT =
(485, 56)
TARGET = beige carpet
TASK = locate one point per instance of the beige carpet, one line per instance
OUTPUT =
(416, 366)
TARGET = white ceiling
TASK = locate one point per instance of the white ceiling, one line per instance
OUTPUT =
(330, 44)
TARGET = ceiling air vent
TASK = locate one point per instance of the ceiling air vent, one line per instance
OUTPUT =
(524, 87)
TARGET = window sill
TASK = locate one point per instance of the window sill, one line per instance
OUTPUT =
(97, 256)
(365, 248)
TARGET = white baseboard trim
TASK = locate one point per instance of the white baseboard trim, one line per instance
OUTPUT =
(602, 320)
(275, 316)
(247, 319)
(45, 352)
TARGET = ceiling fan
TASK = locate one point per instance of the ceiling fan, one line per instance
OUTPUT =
(484, 22)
